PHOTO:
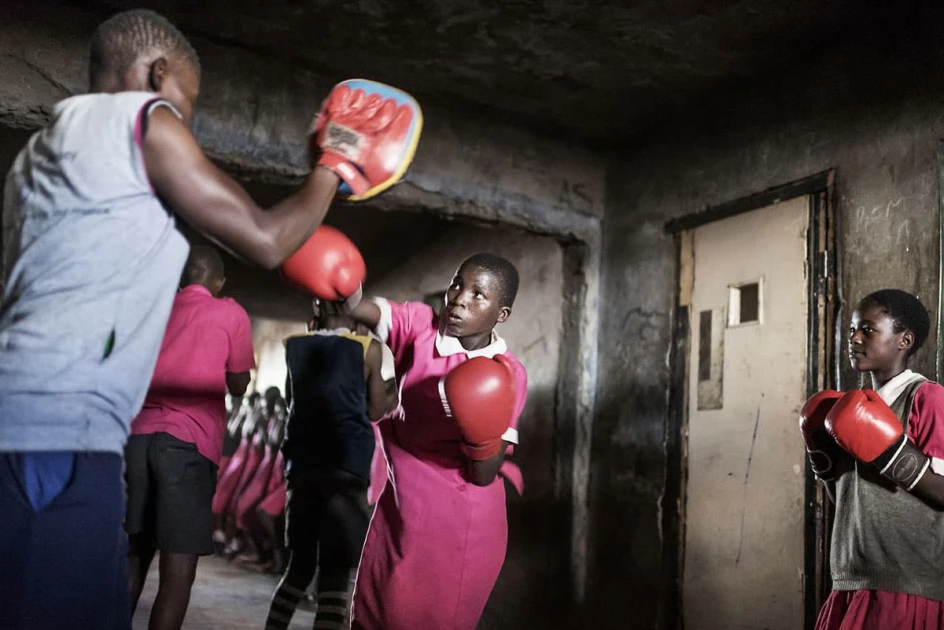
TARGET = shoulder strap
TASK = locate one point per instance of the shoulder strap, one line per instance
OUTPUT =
(905, 402)
(149, 107)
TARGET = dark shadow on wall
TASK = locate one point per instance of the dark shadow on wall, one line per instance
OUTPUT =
(626, 510)
(11, 142)
(532, 589)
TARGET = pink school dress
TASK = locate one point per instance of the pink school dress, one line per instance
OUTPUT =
(436, 542)
(256, 490)
(273, 503)
(229, 476)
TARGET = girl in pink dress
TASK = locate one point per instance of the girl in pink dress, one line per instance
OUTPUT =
(887, 556)
(437, 539)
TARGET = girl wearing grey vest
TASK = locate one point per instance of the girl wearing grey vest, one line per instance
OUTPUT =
(880, 454)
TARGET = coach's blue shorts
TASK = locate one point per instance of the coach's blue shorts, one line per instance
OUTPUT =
(63, 551)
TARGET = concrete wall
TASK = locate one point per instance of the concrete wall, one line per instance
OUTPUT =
(874, 114)
(535, 563)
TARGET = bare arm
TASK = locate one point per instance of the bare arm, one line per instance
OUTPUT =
(237, 382)
(376, 387)
(393, 396)
(483, 473)
(930, 489)
(217, 206)
(367, 313)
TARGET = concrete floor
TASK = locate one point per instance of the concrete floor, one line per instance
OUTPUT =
(225, 597)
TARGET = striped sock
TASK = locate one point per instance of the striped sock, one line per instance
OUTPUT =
(283, 606)
(334, 601)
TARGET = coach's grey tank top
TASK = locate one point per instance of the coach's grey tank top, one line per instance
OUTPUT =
(91, 261)
(885, 538)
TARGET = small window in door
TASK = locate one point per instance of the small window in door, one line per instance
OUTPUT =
(745, 304)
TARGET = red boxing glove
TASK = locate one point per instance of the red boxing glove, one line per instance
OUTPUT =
(367, 133)
(865, 426)
(820, 446)
(328, 265)
(480, 395)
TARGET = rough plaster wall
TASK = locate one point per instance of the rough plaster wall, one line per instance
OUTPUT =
(255, 120)
(535, 560)
(874, 114)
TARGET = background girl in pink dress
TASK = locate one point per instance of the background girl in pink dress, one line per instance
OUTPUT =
(438, 536)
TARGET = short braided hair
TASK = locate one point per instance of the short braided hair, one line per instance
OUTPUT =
(121, 39)
(905, 310)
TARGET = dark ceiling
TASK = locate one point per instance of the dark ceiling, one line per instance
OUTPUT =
(600, 71)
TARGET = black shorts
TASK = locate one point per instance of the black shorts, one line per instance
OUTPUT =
(170, 495)
(327, 511)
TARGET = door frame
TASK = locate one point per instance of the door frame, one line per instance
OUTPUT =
(823, 274)
(939, 324)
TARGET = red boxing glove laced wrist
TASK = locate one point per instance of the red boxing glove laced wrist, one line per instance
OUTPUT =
(865, 426)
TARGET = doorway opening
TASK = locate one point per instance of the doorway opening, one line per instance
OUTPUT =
(412, 256)
(754, 321)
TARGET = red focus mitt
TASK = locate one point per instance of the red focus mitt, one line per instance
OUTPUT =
(367, 133)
